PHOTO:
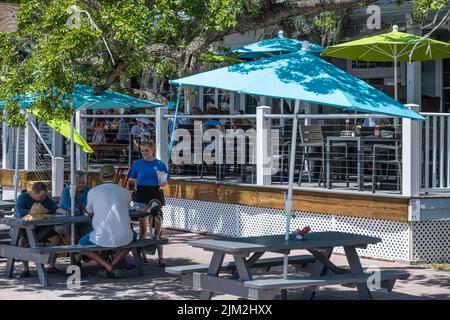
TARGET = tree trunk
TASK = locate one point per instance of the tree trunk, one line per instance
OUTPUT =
(268, 16)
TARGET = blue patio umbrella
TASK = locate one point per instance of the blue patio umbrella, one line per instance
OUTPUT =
(85, 97)
(276, 46)
(300, 76)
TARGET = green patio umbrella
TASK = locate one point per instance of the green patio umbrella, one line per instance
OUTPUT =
(394, 46)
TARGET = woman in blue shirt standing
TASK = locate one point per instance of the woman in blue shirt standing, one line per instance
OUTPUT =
(150, 174)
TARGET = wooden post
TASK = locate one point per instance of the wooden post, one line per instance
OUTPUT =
(162, 135)
(263, 147)
(411, 155)
(8, 17)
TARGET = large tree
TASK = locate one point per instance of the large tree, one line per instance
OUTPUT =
(62, 42)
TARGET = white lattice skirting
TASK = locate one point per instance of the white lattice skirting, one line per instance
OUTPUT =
(430, 239)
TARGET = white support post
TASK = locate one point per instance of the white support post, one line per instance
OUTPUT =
(57, 176)
(81, 128)
(413, 74)
(308, 110)
(30, 145)
(162, 135)
(438, 84)
(57, 144)
(263, 147)
(411, 155)
(7, 146)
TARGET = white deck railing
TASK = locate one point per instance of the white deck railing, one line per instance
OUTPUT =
(435, 152)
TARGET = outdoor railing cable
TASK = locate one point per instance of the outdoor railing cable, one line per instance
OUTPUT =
(38, 135)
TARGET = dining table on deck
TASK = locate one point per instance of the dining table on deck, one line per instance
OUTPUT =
(361, 143)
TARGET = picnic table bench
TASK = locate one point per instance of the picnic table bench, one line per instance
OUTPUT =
(247, 251)
(40, 254)
(186, 272)
(269, 289)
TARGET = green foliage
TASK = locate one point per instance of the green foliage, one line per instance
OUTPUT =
(53, 49)
(423, 7)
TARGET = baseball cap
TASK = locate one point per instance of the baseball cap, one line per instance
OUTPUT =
(144, 120)
(172, 105)
(107, 171)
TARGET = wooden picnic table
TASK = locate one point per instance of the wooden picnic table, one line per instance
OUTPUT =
(6, 205)
(40, 255)
(109, 146)
(247, 251)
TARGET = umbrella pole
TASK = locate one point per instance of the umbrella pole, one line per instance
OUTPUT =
(72, 180)
(288, 201)
(396, 122)
(395, 78)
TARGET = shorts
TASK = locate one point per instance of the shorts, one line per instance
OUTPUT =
(84, 240)
(137, 205)
(43, 234)
(145, 194)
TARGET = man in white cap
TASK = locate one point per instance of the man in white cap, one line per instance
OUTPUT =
(108, 204)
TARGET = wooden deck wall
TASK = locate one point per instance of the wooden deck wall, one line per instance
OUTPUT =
(365, 206)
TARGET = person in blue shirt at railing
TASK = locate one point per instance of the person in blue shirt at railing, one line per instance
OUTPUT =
(81, 192)
(150, 174)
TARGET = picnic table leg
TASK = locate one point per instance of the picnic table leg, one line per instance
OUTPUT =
(213, 270)
(242, 268)
(355, 267)
(42, 273)
(138, 261)
(319, 270)
(250, 262)
(11, 261)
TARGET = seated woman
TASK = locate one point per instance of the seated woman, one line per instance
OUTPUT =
(81, 192)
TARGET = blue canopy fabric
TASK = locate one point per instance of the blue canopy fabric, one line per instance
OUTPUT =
(301, 76)
(276, 46)
(85, 97)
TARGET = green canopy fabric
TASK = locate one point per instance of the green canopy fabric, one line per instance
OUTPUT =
(394, 46)
(63, 128)
(385, 47)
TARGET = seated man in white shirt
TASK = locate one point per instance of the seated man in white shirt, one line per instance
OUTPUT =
(109, 203)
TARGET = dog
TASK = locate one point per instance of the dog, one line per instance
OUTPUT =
(155, 219)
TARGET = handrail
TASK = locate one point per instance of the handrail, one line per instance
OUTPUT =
(38, 134)
(326, 116)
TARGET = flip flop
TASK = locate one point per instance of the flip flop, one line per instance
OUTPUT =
(53, 270)
(161, 263)
(25, 274)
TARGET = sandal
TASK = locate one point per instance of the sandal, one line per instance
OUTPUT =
(25, 274)
(161, 263)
